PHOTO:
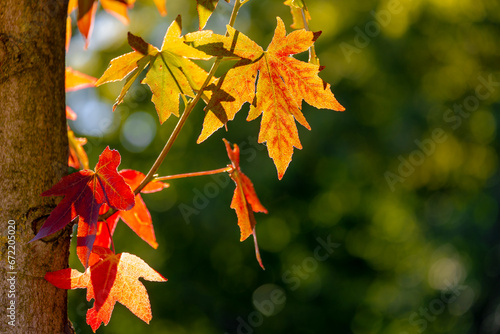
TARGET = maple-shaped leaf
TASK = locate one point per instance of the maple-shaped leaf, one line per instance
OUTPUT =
(77, 155)
(138, 218)
(205, 9)
(77, 80)
(245, 201)
(171, 71)
(283, 82)
(84, 193)
(299, 13)
(110, 278)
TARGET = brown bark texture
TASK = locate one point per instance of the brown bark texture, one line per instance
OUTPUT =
(33, 157)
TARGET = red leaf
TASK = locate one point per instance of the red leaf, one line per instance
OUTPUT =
(245, 201)
(109, 279)
(84, 193)
(138, 218)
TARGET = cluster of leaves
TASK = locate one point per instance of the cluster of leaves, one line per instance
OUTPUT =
(272, 81)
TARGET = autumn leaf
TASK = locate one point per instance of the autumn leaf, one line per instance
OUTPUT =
(70, 114)
(77, 156)
(88, 8)
(77, 80)
(171, 73)
(110, 278)
(283, 83)
(138, 218)
(68, 32)
(205, 9)
(161, 6)
(84, 193)
(245, 201)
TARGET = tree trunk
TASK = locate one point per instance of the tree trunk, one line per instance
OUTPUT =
(33, 157)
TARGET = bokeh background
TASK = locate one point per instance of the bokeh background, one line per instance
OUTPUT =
(386, 221)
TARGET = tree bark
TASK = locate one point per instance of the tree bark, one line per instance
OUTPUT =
(33, 157)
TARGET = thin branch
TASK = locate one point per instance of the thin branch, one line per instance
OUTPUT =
(184, 175)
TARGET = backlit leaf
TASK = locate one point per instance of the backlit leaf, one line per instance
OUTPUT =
(283, 83)
(77, 80)
(77, 155)
(171, 72)
(245, 201)
(88, 8)
(205, 9)
(84, 193)
(110, 278)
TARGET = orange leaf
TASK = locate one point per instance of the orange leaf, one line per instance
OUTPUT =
(284, 82)
(109, 279)
(85, 20)
(118, 9)
(77, 80)
(160, 4)
(245, 201)
(72, 5)
(70, 114)
(77, 156)
(68, 32)
(88, 8)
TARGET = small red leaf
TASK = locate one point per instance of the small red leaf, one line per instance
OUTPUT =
(84, 193)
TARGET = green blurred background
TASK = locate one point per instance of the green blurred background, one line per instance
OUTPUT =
(385, 222)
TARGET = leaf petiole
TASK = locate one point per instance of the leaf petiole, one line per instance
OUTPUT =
(208, 172)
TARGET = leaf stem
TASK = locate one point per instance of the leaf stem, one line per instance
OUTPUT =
(180, 176)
